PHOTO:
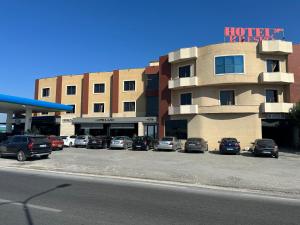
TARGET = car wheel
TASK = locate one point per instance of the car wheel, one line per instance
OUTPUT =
(147, 148)
(70, 144)
(105, 145)
(125, 147)
(276, 155)
(21, 156)
(45, 156)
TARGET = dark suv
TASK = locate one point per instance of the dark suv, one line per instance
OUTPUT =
(99, 142)
(143, 143)
(229, 146)
(26, 146)
(264, 147)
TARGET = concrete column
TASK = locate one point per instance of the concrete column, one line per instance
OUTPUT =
(9, 117)
(140, 129)
(28, 119)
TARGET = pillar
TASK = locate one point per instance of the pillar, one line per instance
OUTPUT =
(28, 119)
(9, 117)
(140, 129)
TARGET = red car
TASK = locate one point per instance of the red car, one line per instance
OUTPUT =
(57, 143)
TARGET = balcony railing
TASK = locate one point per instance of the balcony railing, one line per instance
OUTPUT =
(277, 77)
(183, 82)
(183, 54)
(276, 46)
(183, 109)
(276, 107)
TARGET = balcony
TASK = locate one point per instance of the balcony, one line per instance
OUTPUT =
(183, 54)
(183, 109)
(277, 77)
(276, 107)
(183, 82)
(275, 47)
(229, 109)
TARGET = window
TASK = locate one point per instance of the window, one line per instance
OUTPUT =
(227, 97)
(186, 99)
(271, 96)
(129, 106)
(152, 106)
(99, 88)
(176, 128)
(73, 111)
(152, 82)
(71, 90)
(272, 65)
(44, 113)
(229, 64)
(184, 71)
(129, 85)
(45, 92)
(99, 107)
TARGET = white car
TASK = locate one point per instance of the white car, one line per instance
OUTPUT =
(69, 140)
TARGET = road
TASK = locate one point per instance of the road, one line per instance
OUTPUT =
(45, 198)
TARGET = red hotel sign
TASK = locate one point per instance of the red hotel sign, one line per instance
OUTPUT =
(239, 34)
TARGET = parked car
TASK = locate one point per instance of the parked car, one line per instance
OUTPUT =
(229, 146)
(69, 141)
(26, 146)
(82, 141)
(195, 145)
(169, 143)
(123, 142)
(143, 143)
(56, 142)
(264, 147)
(99, 142)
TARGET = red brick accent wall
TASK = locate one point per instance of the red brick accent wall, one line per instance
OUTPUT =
(164, 93)
(115, 91)
(152, 70)
(85, 94)
(58, 89)
(36, 89)
(294, 67)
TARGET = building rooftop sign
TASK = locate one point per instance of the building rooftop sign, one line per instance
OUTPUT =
(240, 34)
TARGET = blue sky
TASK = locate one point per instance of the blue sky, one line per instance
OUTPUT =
(55, 37)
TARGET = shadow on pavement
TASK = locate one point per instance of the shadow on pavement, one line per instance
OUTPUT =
(25, 203)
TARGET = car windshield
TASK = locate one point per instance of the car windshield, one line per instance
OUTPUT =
(63, 137)
(38, 140)
(141, 138)
(229, 140)
(195, 139)
(266, 142)
(119, 138)
(167, 139)
(81, 137)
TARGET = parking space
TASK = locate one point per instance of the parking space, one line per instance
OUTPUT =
(210, 168)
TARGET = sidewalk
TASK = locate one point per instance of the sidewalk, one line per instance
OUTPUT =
(237, 171)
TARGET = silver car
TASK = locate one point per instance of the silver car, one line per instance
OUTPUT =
(82, 140)
(169, 143)
(123, 142)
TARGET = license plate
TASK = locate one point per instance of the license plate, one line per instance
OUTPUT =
(268, 152)
(43, 146)
(229, 149)
(59, 146)
(94, 142)
(138, 146)
(191, 144)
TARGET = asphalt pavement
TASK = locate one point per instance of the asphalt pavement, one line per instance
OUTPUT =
(45, 198)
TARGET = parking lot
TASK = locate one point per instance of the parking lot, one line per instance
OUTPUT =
(237, 171)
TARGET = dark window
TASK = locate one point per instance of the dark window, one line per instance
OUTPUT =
(129, 106)
(99, 107)
(227, 97)
(272, 65)
(229, 64)
(73, 111)
(184, 71)
(271, 96)
(99, 88)
(186, 99)
(19, 139)
(129, 85)
(152, 106)
(44, 113)
(152, 82)
(71, 90)
(46, 92)
(176, 128)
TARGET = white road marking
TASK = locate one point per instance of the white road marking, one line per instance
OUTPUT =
(8, 202)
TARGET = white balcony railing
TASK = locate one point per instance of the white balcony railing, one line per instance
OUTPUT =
(183, 82)
(276, 46)
(277, 77)
(183, 54)
(183, 109)
(277, 107)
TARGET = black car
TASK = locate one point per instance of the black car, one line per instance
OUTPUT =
(26, 146)
(143, 143)
(195, 145)
(264, 147)
(99, 142)
(229, 146)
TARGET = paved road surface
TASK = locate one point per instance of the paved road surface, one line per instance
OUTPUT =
(33, 198)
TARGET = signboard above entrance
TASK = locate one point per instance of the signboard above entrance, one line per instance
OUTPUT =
(240, 34)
